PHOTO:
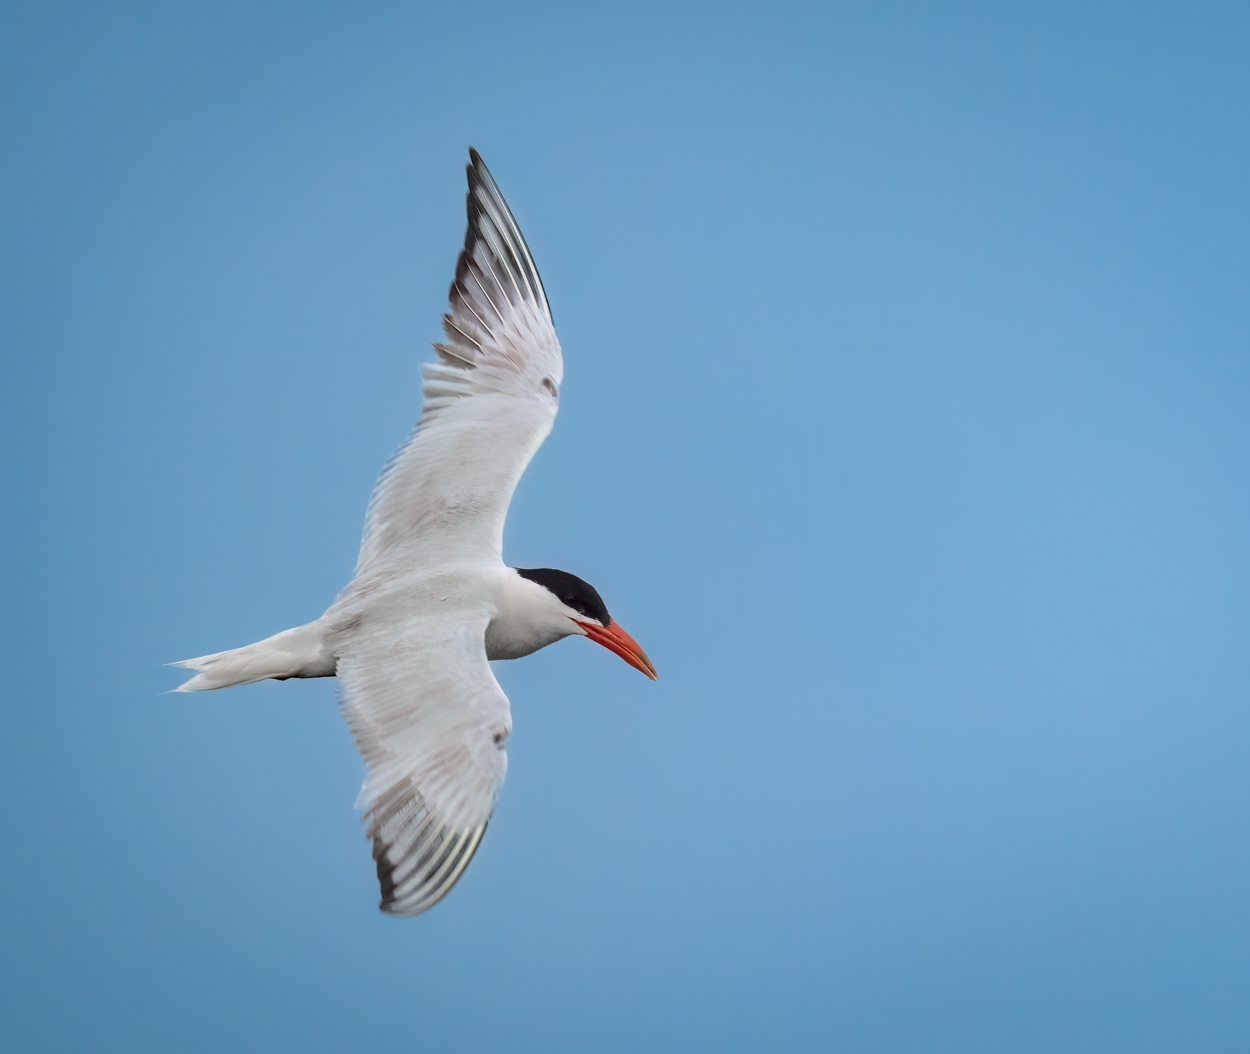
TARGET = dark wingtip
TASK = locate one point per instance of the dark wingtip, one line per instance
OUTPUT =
(386, 875)
(479, 175)
(518, 260)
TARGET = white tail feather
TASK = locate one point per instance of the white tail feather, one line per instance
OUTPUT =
(298, 652)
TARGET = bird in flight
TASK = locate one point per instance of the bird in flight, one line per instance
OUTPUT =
(432, 601)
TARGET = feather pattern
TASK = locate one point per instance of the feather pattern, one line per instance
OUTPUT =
(431, 723)
(489, 402)
(425, 711)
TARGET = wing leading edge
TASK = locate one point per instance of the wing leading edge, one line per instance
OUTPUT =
(490, 401)
(415, 687)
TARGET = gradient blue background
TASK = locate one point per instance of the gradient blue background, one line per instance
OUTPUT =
(905, 425)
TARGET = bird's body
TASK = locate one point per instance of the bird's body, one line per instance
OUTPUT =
(432, 600)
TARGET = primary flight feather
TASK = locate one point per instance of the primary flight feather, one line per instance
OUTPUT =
(432, 601)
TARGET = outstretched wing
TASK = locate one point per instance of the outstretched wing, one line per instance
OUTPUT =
(489, 403)
(430, 721)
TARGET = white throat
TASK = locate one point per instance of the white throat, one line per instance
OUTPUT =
(527, 617)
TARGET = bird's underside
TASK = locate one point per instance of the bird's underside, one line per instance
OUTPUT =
(408, 638)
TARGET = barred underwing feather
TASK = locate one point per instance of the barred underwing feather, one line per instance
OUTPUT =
(425, 711)
(431, 723)
(490, 400)
(410, 636)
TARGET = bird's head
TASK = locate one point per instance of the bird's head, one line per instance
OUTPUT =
(582, 605)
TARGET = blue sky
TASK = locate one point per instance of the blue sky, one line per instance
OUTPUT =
(904, 424)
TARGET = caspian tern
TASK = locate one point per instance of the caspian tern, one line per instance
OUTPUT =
(432, 600)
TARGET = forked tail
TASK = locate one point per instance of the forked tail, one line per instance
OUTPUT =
(298, 652)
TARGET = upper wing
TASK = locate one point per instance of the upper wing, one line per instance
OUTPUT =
(489, 402)
(430, 721)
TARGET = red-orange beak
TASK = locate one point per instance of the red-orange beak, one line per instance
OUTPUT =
(616, 639)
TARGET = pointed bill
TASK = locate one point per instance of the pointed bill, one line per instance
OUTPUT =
(617, 640)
